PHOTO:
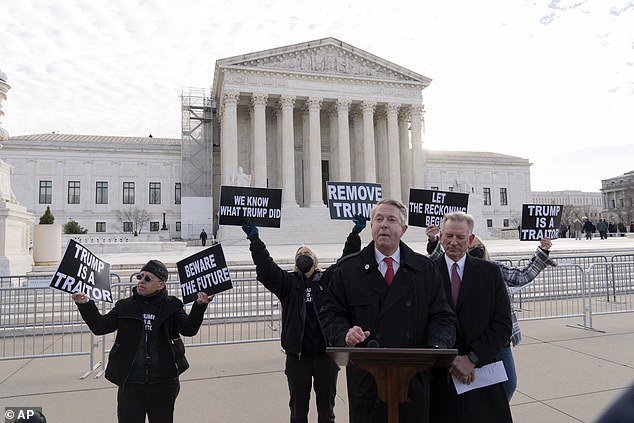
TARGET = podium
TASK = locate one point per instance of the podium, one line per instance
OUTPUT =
(392, 368)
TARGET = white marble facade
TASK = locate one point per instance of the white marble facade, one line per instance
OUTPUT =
(284, 111)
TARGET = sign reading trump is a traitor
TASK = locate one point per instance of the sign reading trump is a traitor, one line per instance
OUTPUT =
(82, 271)
(205, 271)
(258, 206)
(345, 199)
(427, 207)
(540, 221)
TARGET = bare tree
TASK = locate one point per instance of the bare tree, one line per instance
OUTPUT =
(137, 216)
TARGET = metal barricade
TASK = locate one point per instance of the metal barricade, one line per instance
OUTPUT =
(614, 281)
(36, 321)
(555, 292)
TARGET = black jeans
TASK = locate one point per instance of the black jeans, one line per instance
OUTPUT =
(135, 400)
(303, 373)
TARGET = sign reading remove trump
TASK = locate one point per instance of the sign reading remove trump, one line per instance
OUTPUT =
(540, 221)
(258, 206)
(427, 207)
(345, 199)
(205, 271)
(81, 271)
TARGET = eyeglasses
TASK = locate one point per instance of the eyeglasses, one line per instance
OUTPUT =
(145, 278)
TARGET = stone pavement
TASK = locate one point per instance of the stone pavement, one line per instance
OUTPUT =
(566, 374)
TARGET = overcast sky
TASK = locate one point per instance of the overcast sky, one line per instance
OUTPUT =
(549, 81)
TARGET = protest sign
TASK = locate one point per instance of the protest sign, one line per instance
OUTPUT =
(205, 271)
(345, 199)
(540, 221)
(427, 207)
(81, 271)
(258, 206)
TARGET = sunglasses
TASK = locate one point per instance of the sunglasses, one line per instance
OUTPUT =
(145, 278)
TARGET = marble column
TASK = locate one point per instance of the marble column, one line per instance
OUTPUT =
(405, 154)
(393, 155)
(229, 137)
(343, 139)
(314, 110)
(288, 152)
(305, 199)
(357, 171)
(369, 160)
(278, 150)
(418, 156)
(333, 120)
(258, 150)
(381, 151)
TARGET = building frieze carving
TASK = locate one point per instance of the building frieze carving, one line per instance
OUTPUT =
(326, 60)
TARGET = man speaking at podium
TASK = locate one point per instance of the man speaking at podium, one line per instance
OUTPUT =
(387, 295)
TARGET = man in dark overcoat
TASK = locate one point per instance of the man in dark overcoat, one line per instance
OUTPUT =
(389, 296)
(478, 295)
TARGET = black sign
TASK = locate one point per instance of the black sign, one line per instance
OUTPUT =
(81, 271)
(205, 271)
(540, 221)
(258, 206)
(427, 207)
(345, 199)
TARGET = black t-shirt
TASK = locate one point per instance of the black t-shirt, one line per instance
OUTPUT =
(313, 341)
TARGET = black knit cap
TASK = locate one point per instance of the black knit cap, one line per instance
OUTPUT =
(157, 268)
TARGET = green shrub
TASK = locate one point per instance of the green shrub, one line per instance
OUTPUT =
(47, 218)
(73, 227)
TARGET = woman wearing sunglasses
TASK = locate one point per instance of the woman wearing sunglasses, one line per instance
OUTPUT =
(148, 355)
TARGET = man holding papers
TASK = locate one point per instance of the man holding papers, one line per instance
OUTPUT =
(477, 293)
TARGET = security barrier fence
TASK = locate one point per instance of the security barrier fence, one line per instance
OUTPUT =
(36, 321)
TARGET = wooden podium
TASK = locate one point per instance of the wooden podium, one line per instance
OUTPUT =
(392, 368)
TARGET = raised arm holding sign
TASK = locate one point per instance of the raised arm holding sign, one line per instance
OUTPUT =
(301, 293)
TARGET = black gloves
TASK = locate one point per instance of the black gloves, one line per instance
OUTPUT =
(249, 229)
(359, 223)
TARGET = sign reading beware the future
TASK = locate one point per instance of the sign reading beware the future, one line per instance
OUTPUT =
(205, 271)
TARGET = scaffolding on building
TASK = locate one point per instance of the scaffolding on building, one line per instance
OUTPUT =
(197, 137)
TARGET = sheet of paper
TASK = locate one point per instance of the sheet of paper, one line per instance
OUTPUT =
(484, 376)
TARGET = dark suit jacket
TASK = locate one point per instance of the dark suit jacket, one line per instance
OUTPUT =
(483, 326)
(413, 312)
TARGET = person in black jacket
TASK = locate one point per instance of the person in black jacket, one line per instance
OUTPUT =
(147, 356)
(301, 293)
(390, 296)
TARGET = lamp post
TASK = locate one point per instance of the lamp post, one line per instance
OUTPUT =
(164, 228)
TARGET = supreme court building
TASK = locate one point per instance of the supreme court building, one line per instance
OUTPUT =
(297, 116)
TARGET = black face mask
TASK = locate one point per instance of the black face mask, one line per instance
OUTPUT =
(304, 263)
(476, 252)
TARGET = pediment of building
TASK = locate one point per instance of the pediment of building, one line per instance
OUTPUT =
(327, 56)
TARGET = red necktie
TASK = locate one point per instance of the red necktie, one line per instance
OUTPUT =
(389, 273)
(455, 284)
